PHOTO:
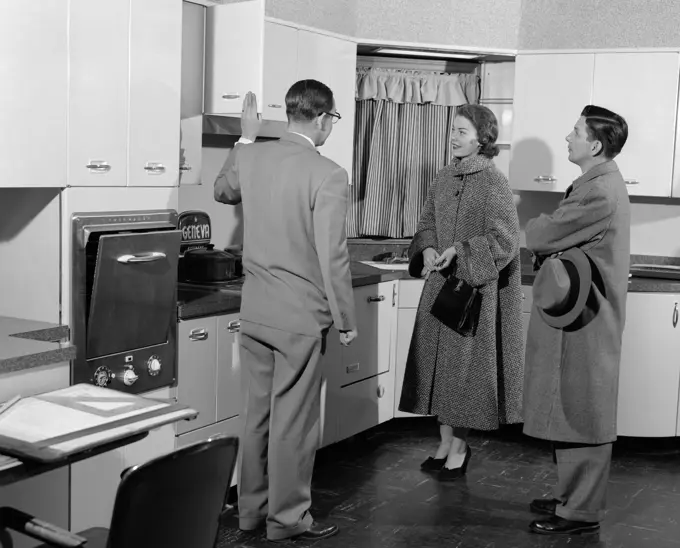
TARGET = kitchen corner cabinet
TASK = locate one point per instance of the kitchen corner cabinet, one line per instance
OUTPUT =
(649, 377)
(552, 89)
(33, 94)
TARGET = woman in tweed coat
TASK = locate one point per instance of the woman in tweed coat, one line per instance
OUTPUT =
(467, 382)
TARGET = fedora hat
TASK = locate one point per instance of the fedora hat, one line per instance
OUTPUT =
(562, 286)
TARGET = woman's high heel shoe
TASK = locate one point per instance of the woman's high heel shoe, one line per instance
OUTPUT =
(432, 464)
(450, 474)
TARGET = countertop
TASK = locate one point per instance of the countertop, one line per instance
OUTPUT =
(25, 344)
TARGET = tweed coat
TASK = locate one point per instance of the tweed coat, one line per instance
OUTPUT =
(470, 382)
(572, 374)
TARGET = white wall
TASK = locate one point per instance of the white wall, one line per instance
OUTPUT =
(30, 253)
(227, 221)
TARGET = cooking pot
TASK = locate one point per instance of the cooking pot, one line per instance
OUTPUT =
(208, 265)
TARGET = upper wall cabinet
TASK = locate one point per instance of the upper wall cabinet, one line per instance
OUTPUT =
(33, 93)
(552, 89)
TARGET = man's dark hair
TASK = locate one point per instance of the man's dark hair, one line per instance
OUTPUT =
(607, 127)
(307, 99)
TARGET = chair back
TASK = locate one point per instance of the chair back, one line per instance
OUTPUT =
(175, 501)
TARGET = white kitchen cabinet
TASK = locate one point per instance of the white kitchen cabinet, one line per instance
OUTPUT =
(550, 93)
(99, 58)
(649, 375)
(228, 378)
(371, 354)
(280, 66)
(643, 88)
(155, 85)
(191, 150)
(34, 93)
(197, 363)
(333, 62)
(366, 404)
(234, 56)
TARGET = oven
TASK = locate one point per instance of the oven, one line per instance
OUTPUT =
(124, 299)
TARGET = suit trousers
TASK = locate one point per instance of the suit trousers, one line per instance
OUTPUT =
(582, 477)
(281, 428)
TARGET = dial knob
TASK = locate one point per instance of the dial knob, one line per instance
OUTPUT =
(129, 377)
(153, 365)
(102, 376)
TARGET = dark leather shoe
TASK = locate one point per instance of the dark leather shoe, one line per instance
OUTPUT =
(432, 464)
(317, 531)
(450, 474)
(556, 525)
(544, 506)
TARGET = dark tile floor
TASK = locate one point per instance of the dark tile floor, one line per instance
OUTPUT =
(371, 486)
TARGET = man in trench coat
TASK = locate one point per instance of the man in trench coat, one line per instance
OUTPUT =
(571, 373)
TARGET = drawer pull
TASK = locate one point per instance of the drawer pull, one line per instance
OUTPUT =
(631, 181)
(234, 326)
(198, 334)
(231, 96)
(154, 168)
(185, 167)
(272, 105)
(353, 368)
(97, 166)
(675, 315)
(381, 391)
(547, 179)
(377, 299)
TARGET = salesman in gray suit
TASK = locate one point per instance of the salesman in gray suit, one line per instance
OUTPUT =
(297, 285)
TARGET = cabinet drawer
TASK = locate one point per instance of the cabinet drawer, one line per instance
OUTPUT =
(409, 293)
(527, 298)
(365, 404)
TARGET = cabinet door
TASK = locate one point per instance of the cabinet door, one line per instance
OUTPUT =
(228, 378)
(34, 93)
(366, 404)
(197, 359)
(333, 62)
(550, 93)
(234, 51)
(650, 370)
(191, 150)
(155, 83)
(371, 353)
(99, 34)
(193, 40)
(280, 67)
(643, 88)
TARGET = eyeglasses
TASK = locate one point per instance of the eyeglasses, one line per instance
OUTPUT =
(335, 115)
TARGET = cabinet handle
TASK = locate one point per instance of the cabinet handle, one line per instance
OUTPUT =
(154, 168)
(198, 334)
(631, 181)
(97, 166)
(394, 295)
(380, 391)
(675, 315)
(545, 179)
(272, 105)
(377, 299)
(185, 167)
(234, 326)
(231, 96)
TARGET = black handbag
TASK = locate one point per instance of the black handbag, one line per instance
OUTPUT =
(458, 304)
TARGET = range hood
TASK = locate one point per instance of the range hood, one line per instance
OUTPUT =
(231, 125)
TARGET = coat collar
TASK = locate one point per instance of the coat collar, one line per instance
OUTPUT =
(298, 139)
(597, 171)
(471, 165)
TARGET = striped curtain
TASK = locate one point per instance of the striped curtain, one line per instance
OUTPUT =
(403, 120)
(398, 150)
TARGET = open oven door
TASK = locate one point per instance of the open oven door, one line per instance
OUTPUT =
(134, 292)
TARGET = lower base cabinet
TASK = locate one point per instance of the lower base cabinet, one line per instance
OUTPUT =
(365, 404)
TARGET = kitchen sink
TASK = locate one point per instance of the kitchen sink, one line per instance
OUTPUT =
(386, 266)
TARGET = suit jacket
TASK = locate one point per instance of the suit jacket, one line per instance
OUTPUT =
(295, 245)
(571, 375)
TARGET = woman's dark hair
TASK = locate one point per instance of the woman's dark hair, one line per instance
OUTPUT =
(607, 127)
(486, 125)
(307, 99)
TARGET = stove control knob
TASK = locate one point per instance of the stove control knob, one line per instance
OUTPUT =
(102, 376)
(154, 365)
(130, 377)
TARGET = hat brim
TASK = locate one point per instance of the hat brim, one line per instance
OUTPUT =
(585, 275)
